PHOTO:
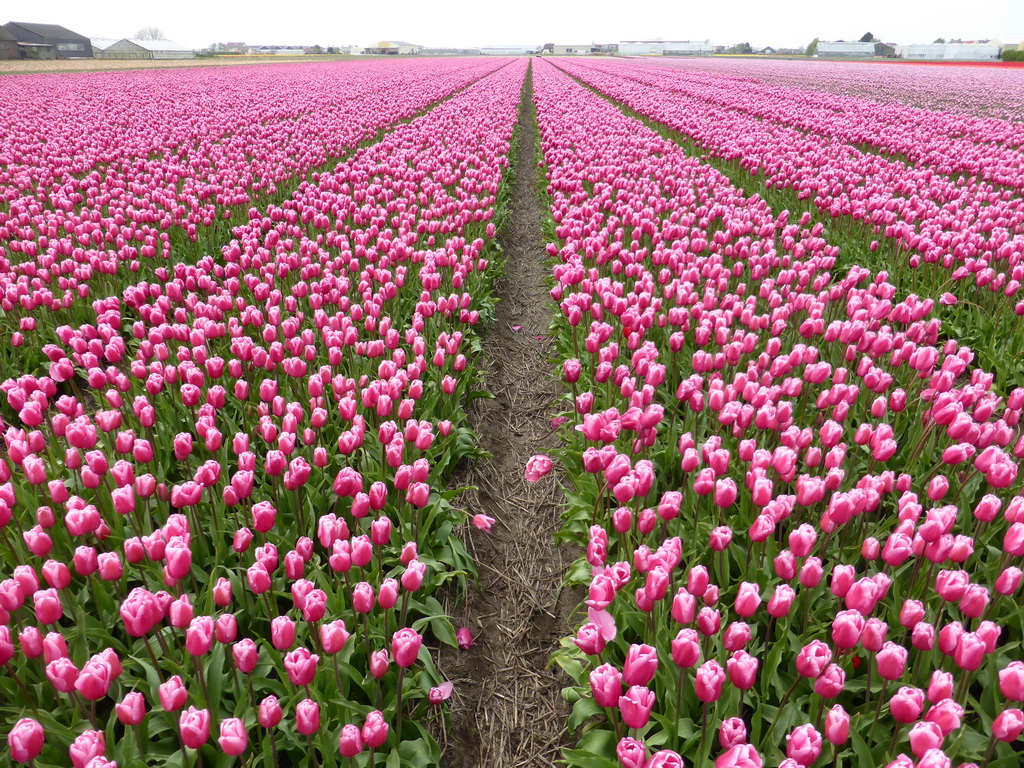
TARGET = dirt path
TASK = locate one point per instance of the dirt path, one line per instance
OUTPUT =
(508, 711)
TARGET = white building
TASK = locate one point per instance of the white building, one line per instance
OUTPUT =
(275, 50)
(506, 50)
(950, 51)
(394, 48)
(666, 48)
(100, 46)
(846, 50)
(134, 48)
(573, 50)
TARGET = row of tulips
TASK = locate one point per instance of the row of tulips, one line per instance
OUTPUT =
(98, 188)
(983, 91)
(952, 144)
(223, 509)
(800, 503)
(963, 238)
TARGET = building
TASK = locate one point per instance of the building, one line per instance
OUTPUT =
(506, 50)
(841, 50)
(766, 51)
(950, 51)
(275, 50)
(449, 51)
(666, 48)
(8, 45)
(63, 43)
(394, 48)
(888, 50)
(134, 48)
(1009, 43)
(100, 46)
(572, 50)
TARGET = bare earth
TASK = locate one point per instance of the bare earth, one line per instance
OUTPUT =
(508, 710)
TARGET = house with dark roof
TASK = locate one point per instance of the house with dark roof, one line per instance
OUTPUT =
(64, 43)
(8, 45)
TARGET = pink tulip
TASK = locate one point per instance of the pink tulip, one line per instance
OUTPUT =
(803, 745)
(307, 717)
(173, 694)
(375, 730)
(25, 740)
(631, 753)
(350, 743)
(131, 709)
(640, 665)
(636, 705)
(270, 712)
(739, 756)
(537, 467)
(233, 739)
(405, 645)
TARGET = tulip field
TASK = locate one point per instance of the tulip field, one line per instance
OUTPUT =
(243, 324)
(798, 491)
(224, 482)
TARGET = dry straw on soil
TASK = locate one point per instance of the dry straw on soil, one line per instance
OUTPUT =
(508, 711)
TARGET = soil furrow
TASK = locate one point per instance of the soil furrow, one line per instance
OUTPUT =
(508, 710)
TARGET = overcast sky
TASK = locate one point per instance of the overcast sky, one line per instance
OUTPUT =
(785, 23)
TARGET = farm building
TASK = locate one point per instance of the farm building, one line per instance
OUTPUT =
(449, 51)
(842, 50)
(572, 50)
(1009, 43)
(134, 48)
(8, 45)
(100, 46)
(275, 50)
(950, 51)
(394, 48)
(63, 43)
(766, 51)
(506, 50)
(885, 49)
(666, 48)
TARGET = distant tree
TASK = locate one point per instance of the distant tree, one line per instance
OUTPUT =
(867, 37)
(150, 33)
(217, 47)
(812, 48)
(317, 49)
(741, 48)
(939, 41)
(331, 49)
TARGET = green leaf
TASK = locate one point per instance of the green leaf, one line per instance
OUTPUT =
(584, 709)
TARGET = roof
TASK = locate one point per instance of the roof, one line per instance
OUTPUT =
(102, 43)
(400, 43)
(48, 30)
(157, 45)
(6, 35)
